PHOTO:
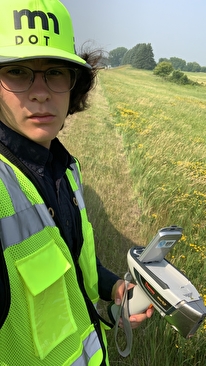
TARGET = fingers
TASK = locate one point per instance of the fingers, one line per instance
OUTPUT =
(137, 319)
(150, 312)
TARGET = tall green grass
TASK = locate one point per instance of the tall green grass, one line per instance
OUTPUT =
(142, 149)
(164, 131)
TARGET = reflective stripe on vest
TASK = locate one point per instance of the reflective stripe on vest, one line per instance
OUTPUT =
(27, 219)
(30, 218)
(91, 346)
(79, 191)
(89, 274)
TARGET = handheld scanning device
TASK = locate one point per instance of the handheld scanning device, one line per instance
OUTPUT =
(162, 285)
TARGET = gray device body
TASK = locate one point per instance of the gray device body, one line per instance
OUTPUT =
(162, 285)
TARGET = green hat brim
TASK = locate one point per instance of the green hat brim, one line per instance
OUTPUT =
(27, 53)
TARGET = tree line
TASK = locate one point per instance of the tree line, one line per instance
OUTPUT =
(141, 56)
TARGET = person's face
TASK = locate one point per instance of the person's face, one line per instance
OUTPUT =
(37, 113)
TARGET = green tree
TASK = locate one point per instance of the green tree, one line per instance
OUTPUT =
(203, 69)
(116, 55)
(163, 69)
(178, 63)
(189, 66)
(162, 59)
(196, 67)
(134, 52)
(143, 57)
(193, 67)
(127, 58)
(150, 62)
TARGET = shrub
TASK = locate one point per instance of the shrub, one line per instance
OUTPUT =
(180, 78)
(163, 69)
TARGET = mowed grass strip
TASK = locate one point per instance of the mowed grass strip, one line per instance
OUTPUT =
(91, 136)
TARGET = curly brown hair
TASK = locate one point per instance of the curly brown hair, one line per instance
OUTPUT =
(85, 81)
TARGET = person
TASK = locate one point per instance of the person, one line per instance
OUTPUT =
(50, 278)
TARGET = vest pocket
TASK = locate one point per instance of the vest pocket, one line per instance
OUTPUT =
(49, 308)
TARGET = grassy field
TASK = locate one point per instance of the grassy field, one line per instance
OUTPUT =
(142, 148)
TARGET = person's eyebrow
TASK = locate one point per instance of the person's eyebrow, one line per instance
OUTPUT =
(55, 61)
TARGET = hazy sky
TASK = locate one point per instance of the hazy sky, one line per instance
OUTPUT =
(173, 27)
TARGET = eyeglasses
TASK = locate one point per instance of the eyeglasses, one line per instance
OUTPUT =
(18, 79)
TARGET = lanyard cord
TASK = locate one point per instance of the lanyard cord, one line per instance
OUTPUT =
(124, 314)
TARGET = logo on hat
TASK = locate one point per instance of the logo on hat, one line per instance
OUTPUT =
(31, 15)
(31, 19)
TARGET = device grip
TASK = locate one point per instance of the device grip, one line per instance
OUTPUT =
(138, 300)
(138, 303)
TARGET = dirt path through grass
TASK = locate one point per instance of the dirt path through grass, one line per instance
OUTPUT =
(112, 208)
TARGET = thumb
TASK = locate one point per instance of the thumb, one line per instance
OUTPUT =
(118, 291)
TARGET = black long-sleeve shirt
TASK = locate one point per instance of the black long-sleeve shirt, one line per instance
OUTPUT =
(49, 167)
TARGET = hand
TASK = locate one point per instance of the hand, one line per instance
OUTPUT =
(117, 295)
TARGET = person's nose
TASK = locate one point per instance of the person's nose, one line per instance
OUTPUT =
(39, 89)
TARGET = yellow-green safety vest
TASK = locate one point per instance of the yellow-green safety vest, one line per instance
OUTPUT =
(48, 322)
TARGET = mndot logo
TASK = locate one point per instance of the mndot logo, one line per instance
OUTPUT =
(31, 16)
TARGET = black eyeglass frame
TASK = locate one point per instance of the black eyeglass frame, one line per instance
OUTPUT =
(75, 71)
